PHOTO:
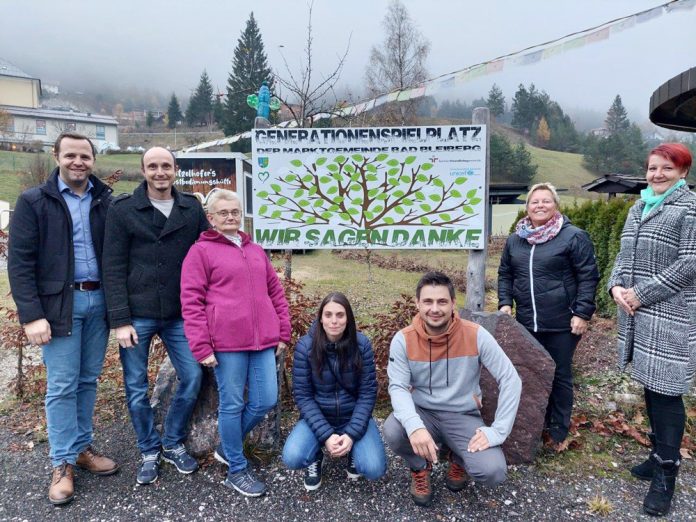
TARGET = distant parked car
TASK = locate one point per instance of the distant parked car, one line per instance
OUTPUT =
(108, 147)
(136, 148)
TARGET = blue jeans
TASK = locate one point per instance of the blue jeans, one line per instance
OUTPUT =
(189, 375)
(73, 364)
(302, 448)
(235, 371)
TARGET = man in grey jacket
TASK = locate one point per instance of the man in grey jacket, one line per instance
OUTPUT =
(434, 371)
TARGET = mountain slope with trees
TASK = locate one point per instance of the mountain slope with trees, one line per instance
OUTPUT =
(621, 150)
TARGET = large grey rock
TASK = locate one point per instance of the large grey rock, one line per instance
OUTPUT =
(203, 437)
(534, 366)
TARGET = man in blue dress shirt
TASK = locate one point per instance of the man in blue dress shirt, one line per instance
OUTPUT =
(54, 260)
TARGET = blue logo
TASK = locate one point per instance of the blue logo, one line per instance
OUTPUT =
(465, 172)
(263, 162)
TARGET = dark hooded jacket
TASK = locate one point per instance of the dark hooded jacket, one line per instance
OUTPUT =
(550, 282)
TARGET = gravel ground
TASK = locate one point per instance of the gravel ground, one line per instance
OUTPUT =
(527, 495)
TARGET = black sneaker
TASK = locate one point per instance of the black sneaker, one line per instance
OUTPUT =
(149, 469)
(246, 483)
(312, 477)
(177, 455)
(351, 471)
(220, 455)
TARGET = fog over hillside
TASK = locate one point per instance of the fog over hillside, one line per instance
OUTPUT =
(163, 46)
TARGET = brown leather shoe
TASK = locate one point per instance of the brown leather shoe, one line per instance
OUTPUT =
(62, 489)
(421, 490)
(94, 462)
(456, 478)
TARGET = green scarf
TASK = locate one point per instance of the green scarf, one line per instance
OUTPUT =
(653, 200)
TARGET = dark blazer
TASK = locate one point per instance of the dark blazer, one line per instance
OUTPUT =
(327, 404)
(41, 259)
(143, 255)
(557, 283)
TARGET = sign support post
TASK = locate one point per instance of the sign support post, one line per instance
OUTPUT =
(476, 268)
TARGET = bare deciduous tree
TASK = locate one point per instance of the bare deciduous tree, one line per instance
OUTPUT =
(399, 62)
(37, 172)
(306, 96)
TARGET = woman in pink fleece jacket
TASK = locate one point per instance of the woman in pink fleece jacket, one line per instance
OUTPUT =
(235, 318)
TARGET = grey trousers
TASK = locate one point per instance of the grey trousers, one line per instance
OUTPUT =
(454, 430)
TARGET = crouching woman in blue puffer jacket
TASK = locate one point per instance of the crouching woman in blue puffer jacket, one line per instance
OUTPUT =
(335, 389)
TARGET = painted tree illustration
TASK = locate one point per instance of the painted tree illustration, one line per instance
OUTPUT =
(367, 193)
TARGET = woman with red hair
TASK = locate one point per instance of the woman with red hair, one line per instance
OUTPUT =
(653, 286)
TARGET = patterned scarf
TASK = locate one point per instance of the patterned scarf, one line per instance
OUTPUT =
(542, 234)
(653, 200)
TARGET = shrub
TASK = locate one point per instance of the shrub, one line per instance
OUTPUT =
(37, 172)
(303, 309)
(381, 332)
(604, 222)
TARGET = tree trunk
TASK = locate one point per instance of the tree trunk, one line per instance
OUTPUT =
(20, 370)
(288, 264)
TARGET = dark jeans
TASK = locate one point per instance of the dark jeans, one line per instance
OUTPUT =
(667, 419)
(561, 346)
(189, 375)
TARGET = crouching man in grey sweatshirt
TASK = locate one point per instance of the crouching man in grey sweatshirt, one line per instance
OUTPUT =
(434, 370)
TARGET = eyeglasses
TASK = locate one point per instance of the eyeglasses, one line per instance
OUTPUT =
(227, 213)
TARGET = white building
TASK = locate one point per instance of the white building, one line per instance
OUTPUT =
(25, 125)
(44, 125)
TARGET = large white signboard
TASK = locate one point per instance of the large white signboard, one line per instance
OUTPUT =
(376, 187)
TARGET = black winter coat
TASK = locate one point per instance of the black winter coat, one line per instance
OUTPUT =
(143, 255)
(326, 405)
(41, 258)
(550, 282)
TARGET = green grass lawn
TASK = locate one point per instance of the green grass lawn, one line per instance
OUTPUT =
(322, 272)
(562, 169)
(13, 163)
(16, 161)
(10, 186)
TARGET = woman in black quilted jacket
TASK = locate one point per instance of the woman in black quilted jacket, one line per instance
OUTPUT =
(335, 389)
(548, 271)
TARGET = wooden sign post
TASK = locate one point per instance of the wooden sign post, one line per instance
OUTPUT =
(476, 268)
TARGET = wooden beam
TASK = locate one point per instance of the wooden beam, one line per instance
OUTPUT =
(476, 268)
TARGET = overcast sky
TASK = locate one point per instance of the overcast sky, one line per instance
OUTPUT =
(165, 44)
